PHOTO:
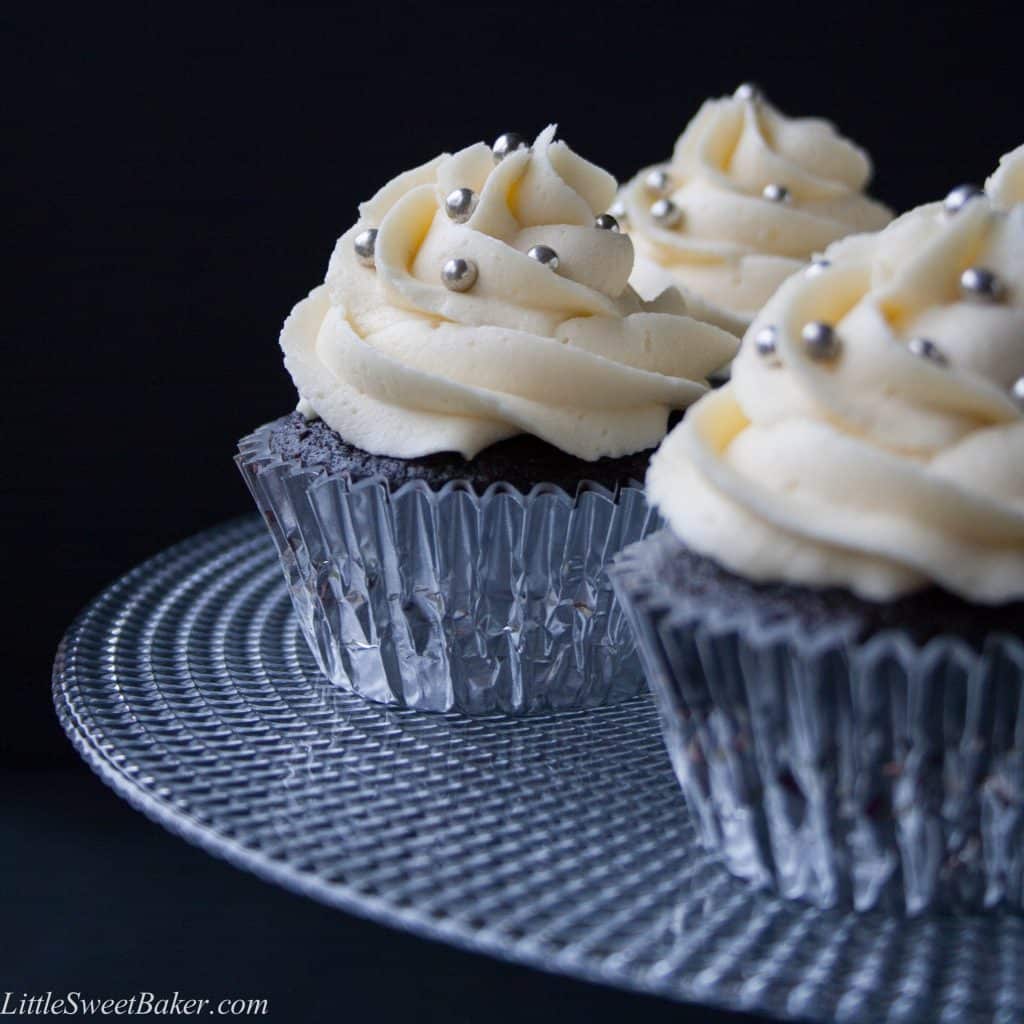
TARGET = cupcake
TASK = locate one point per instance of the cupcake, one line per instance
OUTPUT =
(833, 620)
(479, 391)
(747, 198)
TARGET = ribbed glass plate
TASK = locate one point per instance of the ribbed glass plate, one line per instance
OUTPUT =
(559, 841)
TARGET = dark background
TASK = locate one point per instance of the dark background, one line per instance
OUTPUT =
(177, 180)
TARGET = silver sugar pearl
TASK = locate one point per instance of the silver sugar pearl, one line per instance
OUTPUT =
(606, 222)
(365, 246)
(981, 285)
(1017, 392)
(460, 204)
(748, 91)
(666, 213)
(820, 340)
(925, 348)
(818, 267)
(458, 275)
(506, 143)
(544, 255)
(766, 342)
(959, 197)
(776, 193)
(658, 181)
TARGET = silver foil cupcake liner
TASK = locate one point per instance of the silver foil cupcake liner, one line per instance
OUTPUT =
(880, 773)
(446, 599)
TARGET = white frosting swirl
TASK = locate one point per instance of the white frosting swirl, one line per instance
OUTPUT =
(1006, 184)
(733, 247)
(881, 470)
(401, 366)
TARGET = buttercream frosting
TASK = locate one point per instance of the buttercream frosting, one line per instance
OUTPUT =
(1006, 184)
(400, 365)
(899, 462)
(731, 245)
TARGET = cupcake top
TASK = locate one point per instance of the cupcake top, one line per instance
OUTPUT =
(485, 295)
(872, 436)
(748, 197)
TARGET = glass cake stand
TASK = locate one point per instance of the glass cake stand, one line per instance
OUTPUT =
(558, 841)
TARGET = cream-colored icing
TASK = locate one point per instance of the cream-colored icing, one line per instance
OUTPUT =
(1006, 184)
(732, 247)
(399, 365)
(880, 470)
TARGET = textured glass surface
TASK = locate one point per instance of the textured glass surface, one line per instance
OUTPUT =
(554, 840)
(877, 774)
(445, 600)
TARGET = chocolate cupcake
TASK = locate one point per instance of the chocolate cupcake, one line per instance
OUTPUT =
(748, 197)
(479, 391)
(833, 621)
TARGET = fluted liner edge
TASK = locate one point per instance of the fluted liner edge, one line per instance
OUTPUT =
(883, 773)
(445, 599)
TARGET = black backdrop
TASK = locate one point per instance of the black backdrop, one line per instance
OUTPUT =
(178, 179)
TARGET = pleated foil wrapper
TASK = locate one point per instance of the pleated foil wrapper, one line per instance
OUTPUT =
(449, 600)
(869, 774)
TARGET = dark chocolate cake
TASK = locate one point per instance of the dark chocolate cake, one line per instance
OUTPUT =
(523, 461)
(923, 614)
